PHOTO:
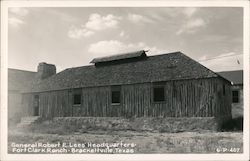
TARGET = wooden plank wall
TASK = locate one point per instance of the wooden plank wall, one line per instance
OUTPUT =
(55, 104)
(226, 100)
(28, 104)
(184, 98)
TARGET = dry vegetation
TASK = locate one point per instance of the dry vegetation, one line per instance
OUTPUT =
(146, 142)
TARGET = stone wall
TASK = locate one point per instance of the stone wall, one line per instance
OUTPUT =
(237, 108)
(15, 111)
(170, 124)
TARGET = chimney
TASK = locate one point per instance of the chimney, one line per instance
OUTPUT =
(45, 70)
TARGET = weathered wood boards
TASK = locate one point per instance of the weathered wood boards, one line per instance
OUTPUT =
(183, 98)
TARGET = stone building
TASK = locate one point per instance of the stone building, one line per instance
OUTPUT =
(18, 82)
(236, 79)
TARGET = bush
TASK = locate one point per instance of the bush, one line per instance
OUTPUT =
(235, 124)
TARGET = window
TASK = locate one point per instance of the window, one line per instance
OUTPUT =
(224, 90)
(77, 96)
(159, 93)
(36, 100)
(235, 95)
(116, 94)
(36, 106)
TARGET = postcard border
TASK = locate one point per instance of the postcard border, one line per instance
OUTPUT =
(4, 83)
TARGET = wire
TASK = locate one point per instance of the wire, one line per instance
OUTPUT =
(218, 57)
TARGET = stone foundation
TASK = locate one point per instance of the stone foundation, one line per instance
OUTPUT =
(170, 124)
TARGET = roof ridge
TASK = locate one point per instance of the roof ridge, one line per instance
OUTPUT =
(124, 53)
(154, 68)
(119, 57)
(163, 54)
(150, 56)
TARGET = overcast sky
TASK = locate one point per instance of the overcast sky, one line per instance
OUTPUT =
(70, 37)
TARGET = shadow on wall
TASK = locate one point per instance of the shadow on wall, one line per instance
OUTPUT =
(235, 124)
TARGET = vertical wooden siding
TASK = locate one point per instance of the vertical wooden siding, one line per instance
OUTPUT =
(184, 98)
(28, 104)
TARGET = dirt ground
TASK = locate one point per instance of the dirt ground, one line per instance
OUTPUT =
(143, 142)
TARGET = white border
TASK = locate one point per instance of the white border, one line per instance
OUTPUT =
(4, 47)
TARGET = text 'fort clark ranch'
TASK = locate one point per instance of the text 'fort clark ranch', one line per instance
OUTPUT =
(89, 147)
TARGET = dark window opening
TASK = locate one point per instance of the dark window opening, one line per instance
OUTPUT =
(224, 90)
(235, 96)
(77, 96)
(159, 94)
(36, 105)
(36, 100)
(116, 95)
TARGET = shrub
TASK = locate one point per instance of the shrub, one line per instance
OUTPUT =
(235, 124)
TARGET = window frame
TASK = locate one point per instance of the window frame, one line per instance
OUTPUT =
(115, 88)
(238, 96)
(76, 91)
(158, 85)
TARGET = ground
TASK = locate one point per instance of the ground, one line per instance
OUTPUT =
(144, 142)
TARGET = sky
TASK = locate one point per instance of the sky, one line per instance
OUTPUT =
(73, 36)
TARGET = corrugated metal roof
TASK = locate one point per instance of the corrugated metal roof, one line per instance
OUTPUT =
(171, 66)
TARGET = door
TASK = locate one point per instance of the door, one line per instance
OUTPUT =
(36, 105)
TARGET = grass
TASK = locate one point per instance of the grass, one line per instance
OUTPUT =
(146, 142)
